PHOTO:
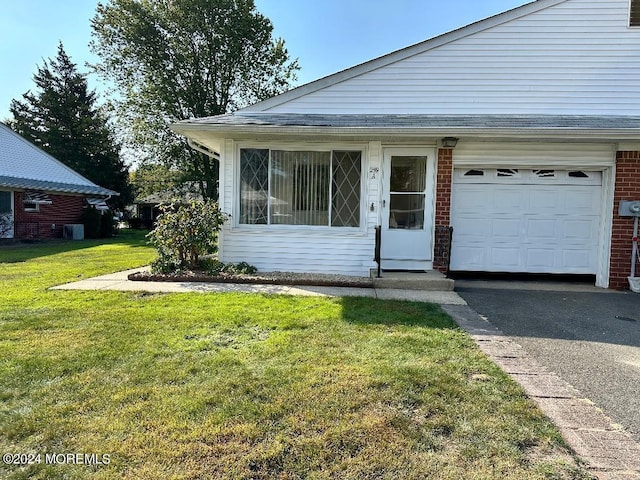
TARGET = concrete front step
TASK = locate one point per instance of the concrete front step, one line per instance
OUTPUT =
(431, 280)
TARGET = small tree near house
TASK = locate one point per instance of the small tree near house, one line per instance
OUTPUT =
(184, 233)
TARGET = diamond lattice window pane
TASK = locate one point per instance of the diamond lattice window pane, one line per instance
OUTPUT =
(254, 186)
(345, 199)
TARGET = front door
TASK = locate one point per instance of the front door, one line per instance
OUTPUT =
(407, 208)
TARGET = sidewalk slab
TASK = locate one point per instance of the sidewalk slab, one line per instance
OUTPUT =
(119, 282)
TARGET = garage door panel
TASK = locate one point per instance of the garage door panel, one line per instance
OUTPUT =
(505, 257)
(472, 200)
(577, 230)
(475, 257)
(541, 229)
(541, 259)
(472, 226)
(576, 260)
(504, 229)
(582, 200)
(505, 201)
(528, 227)
(544, 200)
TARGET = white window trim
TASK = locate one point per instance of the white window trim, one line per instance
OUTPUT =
(302, 229)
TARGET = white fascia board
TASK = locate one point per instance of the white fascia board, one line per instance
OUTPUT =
(401, 54)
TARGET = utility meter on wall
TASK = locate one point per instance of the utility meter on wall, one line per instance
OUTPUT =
(629, 209)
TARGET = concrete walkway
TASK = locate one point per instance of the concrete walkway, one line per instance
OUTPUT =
(119, 282)
(609, 452)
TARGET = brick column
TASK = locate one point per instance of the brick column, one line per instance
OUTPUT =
(443, 208)
(627, 188)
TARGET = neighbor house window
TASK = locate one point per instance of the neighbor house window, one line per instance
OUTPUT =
(5, 202)
(30, 206)
(279, 187)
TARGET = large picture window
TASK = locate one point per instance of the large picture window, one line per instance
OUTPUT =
(279, 187)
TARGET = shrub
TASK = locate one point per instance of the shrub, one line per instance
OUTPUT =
(242, 267)
(91, 220)
(212, 266)
(108, 227)
(185, 232)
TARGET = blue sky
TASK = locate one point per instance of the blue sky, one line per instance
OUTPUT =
(325, 35)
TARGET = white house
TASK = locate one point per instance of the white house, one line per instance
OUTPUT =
(521, 131)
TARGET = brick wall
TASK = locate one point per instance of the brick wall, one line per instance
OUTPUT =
(627, 188)
(443, 207)
(63, 209)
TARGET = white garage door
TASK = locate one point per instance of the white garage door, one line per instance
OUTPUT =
(524, 220)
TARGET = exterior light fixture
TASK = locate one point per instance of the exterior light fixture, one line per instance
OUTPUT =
(449, 142)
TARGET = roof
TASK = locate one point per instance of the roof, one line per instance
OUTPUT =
(609, 127)
(401, 54)
(60, 187)
(25, 166)
(391, 121)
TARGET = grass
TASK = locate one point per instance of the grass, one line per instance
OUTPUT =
(197, 386)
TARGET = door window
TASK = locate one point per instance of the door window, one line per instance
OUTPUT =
(407, 192)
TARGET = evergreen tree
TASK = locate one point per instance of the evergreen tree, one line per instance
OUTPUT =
(62, 118)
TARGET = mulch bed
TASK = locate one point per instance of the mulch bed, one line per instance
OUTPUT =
(270, 278)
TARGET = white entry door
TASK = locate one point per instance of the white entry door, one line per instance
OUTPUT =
(407, 208)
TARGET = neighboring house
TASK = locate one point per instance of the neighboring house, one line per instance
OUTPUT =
(38, 193)
(147, 208)
(544, 101)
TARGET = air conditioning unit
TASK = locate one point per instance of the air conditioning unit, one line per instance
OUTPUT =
(74, 231)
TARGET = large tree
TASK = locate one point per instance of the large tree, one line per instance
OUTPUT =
(171, 60)
(62, 118)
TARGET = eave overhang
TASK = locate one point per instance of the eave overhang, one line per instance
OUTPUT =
(386, 127)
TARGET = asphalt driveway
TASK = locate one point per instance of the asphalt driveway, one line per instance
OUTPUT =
(590, 337)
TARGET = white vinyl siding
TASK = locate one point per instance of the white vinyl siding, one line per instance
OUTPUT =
(576, 57)
(301, 252)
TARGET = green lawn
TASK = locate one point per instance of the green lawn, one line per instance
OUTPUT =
(199, 386)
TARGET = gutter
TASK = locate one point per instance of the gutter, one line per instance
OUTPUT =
(188, 129)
